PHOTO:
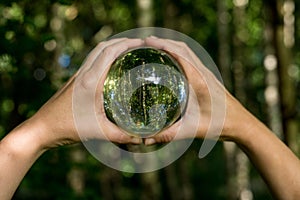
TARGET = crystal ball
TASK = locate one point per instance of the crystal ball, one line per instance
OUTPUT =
(145, 91)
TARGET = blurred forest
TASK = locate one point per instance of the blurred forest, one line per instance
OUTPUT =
(254, 43)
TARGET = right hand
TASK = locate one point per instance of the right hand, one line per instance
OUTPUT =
(77, 108)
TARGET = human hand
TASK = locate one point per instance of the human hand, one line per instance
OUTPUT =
(211, 98)
(83, 91)
(55, 122)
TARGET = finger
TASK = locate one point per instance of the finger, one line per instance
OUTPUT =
(195, 60)
(87, 63)
(123, 138)
(196, 72)
(175, 132)
(165, 135)
(187, 127)
(96, 52)
(108, 53)
(87, 85)
(111, 52)
(208, 82)
(177, 48)
(104, 60)
(180, 51)
(111, 132)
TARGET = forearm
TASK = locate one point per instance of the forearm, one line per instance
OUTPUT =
(276, 163)
(18, 150)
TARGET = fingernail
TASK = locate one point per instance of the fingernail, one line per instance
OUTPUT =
(150, 141)
(136, 140)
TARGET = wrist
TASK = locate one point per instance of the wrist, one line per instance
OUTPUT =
(239, 123)
(26, 139)
(19, 150)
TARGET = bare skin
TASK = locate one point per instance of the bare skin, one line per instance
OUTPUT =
(53, 125)
(276, 163)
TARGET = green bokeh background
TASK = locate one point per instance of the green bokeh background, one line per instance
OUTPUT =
(42, 43)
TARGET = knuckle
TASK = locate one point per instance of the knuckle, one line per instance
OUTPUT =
(107, 51)
(111, 52)
(182, 44)
(87, 81)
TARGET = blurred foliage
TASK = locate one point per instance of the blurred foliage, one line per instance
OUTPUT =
(44, 42)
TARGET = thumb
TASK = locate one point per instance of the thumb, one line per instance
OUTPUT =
(166, 135)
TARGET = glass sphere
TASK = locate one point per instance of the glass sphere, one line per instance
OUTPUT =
(145, 91)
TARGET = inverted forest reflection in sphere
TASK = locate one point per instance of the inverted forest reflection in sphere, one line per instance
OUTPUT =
(145, 91)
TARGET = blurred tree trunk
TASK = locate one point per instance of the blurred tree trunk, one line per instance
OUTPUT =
(145, 13)
(76, 176)
(110, 184)
(177, 176)
(282, 23)
(169, 14)
(224, 55)
(241, 176)
(271, 69)
(224, 59)
(284, 43)
(171, 182)
(57, 25)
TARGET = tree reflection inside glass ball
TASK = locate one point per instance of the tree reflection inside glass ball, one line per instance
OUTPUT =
(145, 91)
